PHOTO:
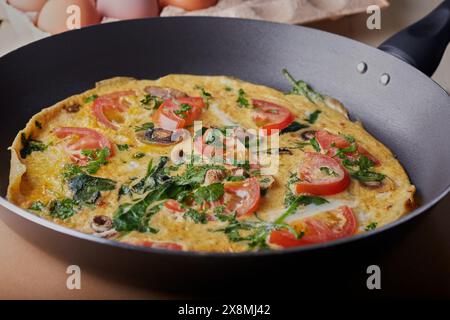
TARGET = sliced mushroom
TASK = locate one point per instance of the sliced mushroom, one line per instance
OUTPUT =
(266, 182)
(285, 151)
(238, 172)
(101, 224)
(159, 136)
(385, 185)
(164, 93)
(214, 176)
(73, 108)
(308, 135)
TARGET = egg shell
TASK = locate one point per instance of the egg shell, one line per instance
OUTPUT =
(131, 9)
(189, 5)
(27, 5)
(55, 18)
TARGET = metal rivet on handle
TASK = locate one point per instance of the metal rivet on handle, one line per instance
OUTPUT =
(361, 67)
(385, 78)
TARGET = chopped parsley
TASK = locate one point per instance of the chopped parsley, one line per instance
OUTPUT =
(91, 98)
(361, 170)
(196, 216)
(204, 94)
(123, 147)
(30, 145)
(228, 88)
(144, 127)
(301, 88)
(138, 155)
(210, 193)
(315, 144)
(62, 209)
(148, 99)
(182, 112)
(298, 201)
(371, 226)
(328, 171)
(242, 100)
(37, 206)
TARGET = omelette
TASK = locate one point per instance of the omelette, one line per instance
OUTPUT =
(206, 163)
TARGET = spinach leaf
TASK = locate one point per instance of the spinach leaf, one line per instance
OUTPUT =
(87, 189)
(196, 216)
(313, 116)
(91, 98)
(210, 193)
(136, 216)
(293, 127)
(30, 145)
(154, 174)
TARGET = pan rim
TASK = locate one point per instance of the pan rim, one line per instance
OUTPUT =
(247, 254)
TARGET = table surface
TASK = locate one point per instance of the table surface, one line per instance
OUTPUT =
(28, 272)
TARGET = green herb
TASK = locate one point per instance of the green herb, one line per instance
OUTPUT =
(136, 216)
(87, 189)
(124, 190)
(300, 200)
(38, 124)
(313, 116)
(315, 144)
(97, 158)
(182, 112)
(242, 99)
(138, 155)
(91, 98)
(153, 176)
(29, 145)
(349, 138)
(301, 88)
(157, 102)
(204, 94)
(236, 178)
(328, 171)
(228, 88)
(210, 193)
(371, 226)
(144, 127)
(62, 209)
(123, 147)
(360, 170)
(293, 127)
(255, 233)
(37, 206)
(196, 216)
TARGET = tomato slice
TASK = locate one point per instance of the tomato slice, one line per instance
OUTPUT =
(84, 139)
(271, 116)
(160, 245)
(330, 143)
(108, 107)
(242, 197)
(173, 205)
(173, 113)
(337, 224)
(321, 175)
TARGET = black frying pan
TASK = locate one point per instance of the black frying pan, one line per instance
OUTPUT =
(398, 104)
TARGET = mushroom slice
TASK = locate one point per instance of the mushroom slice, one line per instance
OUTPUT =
(266, 182)
(387, 184)
(159, 136)
(101, 224)
(164, 93)
(308, 135)
(214, 176)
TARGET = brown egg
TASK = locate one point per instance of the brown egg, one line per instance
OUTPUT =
(27, 5)
(130, 9)
(62, 15)
(188, 5)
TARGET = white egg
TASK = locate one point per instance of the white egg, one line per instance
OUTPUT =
(27, 5)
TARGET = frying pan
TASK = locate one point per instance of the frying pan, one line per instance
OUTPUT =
(391, 94)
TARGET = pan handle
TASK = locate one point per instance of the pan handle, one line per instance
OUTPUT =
(423, 44)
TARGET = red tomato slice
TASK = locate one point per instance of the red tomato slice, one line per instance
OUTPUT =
(160, 245)
(338, 224)
(109, 105)
(271, 116)
(321, 175)
(242, 197)
(85, 139)
(330, 143)
(170, 114)
(173, 205)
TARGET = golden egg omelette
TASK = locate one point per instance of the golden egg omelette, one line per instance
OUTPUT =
(175, 164)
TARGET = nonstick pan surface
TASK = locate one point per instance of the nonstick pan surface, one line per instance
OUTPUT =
(409, 114)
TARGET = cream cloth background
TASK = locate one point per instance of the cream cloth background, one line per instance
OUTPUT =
(18, 29)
